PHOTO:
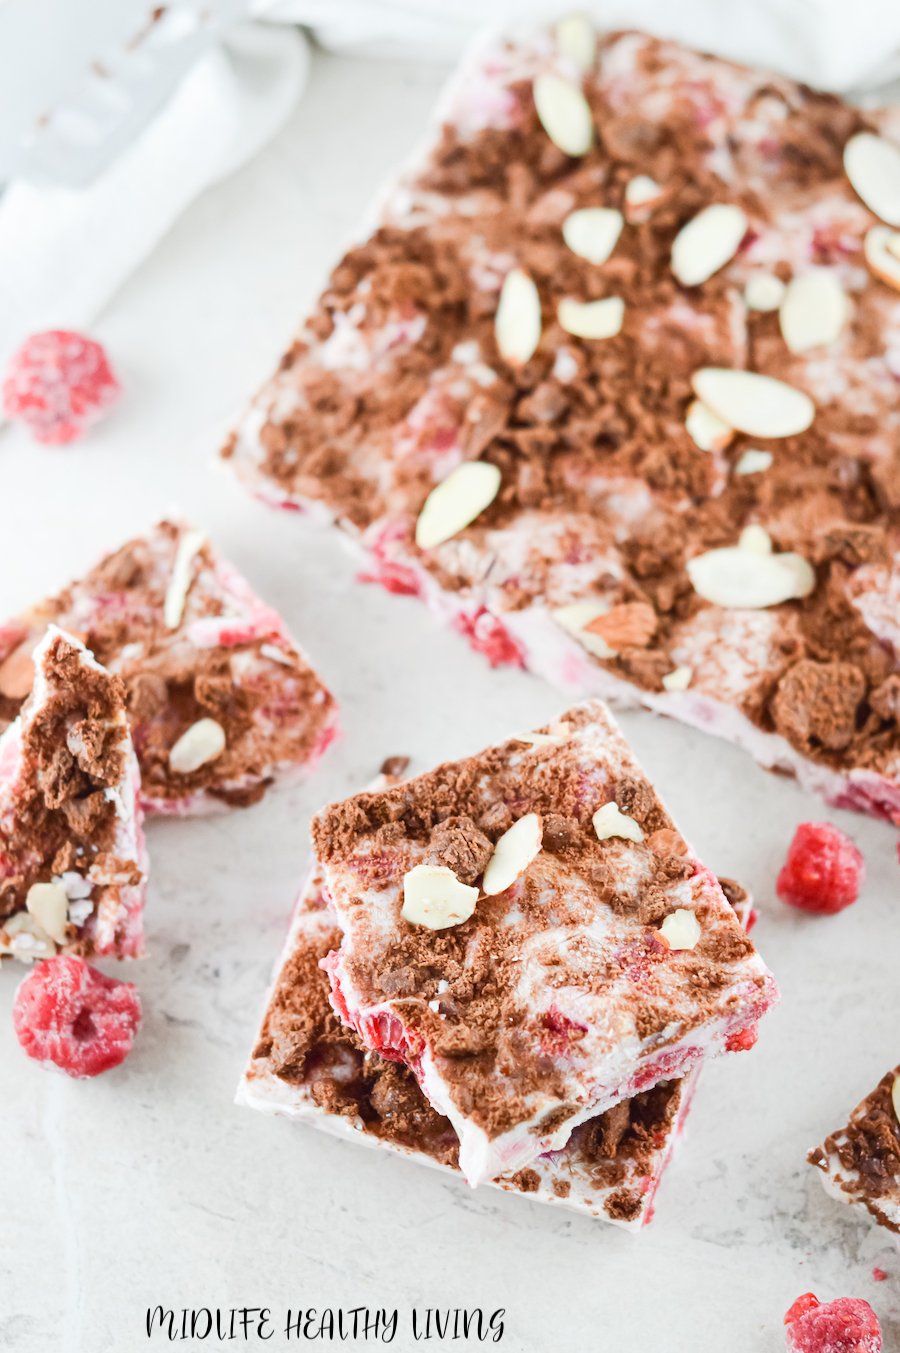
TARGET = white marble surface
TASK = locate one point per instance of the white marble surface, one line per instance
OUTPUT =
(147, 1186)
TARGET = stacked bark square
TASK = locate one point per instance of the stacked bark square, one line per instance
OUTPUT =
(511, 966)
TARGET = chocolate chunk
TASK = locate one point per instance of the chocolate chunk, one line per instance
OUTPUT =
(458, 844)
(816, 704)
(560, 832)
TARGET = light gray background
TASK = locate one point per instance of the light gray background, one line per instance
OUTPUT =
(147, 1185)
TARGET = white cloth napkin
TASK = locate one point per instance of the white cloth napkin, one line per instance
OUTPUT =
(827, 43)
(65, 251)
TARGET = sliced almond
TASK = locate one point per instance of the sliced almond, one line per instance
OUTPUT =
(434, 897)
(592, 319)
(678, 679)
(513, 854)
(17, 672)
(801, 570)
(593, 232)
(882, 251)
(873, 167)
(764, 292)
(577, 616)
(180, 581)
(517, 324)
(577, 40)
(48, 903)
(26, 938)
(455, 503)
(556, 733)
(814, 310)
(611, 821)
(642, 194)
(756, 539)
(758, 405)
(895, 1096)
(707, 242)
(199, 744)
(564, 114)
(741, 579)
(706, 429)
(680, 929)
(753, 461)
(630, 624)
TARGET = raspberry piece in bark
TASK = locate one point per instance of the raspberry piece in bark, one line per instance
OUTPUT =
(847, 1325)
(221, 700)
(68, 1013)
(73, 866)
(58, 383)
(823, 871)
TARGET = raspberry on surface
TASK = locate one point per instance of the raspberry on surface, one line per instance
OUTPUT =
(68, 1013)
(807, 1302)
(823, 871)
(847, 1325)
(58, 383)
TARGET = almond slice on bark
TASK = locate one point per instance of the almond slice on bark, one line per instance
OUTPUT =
(678, 679)
(882, 251)
(180, 581)
(517, 323)
(707, 242)
(895, 1097)
(758, 405)
(630, 624)
(48, 903)
(204, 741)
(564, 114)
(609, 820)
(454, 504)
(592, 319)
(756, 539)
(593, 232)
(872, 165)
(814, 310)
(26, 938)
(576, 39)
(706, 429)
(513, 853)
(434, 897)
(742, 579)
(680, 929)
(764, 292)
(753, 461)
(642, 194)
(577, 616)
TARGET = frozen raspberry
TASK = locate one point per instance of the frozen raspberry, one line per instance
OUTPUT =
(68, 1013)
(807, 1302)
(58, 383)
(848, 1325)
(823, 871)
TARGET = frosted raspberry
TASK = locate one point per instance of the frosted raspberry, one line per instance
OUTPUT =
(823, 871)
(848, 1325)
(58, 383)
(68, 1013)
